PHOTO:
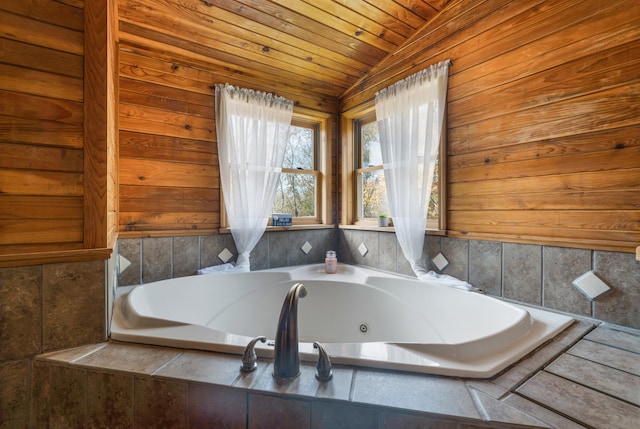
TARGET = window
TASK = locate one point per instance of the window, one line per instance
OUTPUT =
(372, 195)
(368, 195)
(297, 192)
(305, 182)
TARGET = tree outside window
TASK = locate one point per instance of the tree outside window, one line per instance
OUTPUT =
(297, 190)
(372, 193)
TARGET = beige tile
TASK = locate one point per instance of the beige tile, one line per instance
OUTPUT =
(14, 394)
(186, 256)
(574, 332)
(156, 258)
(623, 340)
(414, 392)
(622, 272)
(160, 404)
(214, 368)
(606, 355)
(485, 266)
(522, 272)
(552, 419)
(542, 356)
(513, 377)
(20, 312)
(391, 420)
(561, 266)
(496, 411)
(268, 412)
(68, 395)
(580, 403)
(59, 396)
(40, 395)
(72, 354)
(619, 384)
(303, 385)
(217, 407)
(73, 304)
(130, 248)
(109, 400)
(339, 387)
(331, 415)
(456, 251)
(134, 358)
(494, 390)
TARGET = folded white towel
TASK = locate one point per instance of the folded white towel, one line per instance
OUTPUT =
(447, 280)
(224, 268)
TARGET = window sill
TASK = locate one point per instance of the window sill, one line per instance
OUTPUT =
(388, 229)
(300, 227)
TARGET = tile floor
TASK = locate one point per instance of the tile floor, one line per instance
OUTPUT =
(587, 377)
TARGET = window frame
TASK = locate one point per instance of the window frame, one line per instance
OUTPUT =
(322, 164)
(315, 126)
(351, 121)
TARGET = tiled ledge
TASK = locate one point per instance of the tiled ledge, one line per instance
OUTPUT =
(131, 385)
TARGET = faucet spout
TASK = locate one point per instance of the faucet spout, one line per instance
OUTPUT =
(287, 361)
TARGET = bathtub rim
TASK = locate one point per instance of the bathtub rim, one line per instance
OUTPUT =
(415, 358)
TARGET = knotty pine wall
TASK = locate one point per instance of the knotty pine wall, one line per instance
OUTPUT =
(543, 118)
(57, 150)
(168, 171)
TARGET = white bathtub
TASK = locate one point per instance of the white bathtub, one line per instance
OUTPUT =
(363, 318)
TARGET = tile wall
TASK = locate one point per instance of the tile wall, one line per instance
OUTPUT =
(533, 274)
(44, 308)
(162, 258)
(58, 306)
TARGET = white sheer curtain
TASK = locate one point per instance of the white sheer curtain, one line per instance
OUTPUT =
(252, 129)
(410, 117)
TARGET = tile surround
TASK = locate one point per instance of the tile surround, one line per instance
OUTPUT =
(194, 389)
(532, 274)
(161, 258)
(62, 327)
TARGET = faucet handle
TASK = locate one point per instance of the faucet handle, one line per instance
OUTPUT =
(323, 368)
(249, 356)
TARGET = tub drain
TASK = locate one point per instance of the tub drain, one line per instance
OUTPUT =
(364, 328)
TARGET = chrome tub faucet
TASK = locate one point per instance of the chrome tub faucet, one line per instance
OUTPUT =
(287, 361)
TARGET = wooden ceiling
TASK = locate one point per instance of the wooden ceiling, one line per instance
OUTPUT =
(311, 50)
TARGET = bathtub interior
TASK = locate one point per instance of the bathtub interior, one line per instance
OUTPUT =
(397, 323)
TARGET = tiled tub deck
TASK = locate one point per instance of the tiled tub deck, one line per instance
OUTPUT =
(588, 376)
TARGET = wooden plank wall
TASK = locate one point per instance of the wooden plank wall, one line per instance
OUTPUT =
(41, 126)
(169, 175)
(543, 118)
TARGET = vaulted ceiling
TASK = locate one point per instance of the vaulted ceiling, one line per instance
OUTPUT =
(299, 48)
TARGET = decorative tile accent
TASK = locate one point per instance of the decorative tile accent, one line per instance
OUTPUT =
(591, 285)
(306, 247)
(225, 255)
(440, 262)
(362, 249)
(123, 264)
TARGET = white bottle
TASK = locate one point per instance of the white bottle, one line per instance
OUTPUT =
(330, 262)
